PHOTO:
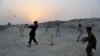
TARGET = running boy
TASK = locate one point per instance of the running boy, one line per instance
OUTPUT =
(91, 41)
(80, 31)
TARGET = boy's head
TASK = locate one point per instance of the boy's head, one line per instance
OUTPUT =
(88, 29)
(35, 23)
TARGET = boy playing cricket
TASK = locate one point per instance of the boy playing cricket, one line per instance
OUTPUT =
(91, 41)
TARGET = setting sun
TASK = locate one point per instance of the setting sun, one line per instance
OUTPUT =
(35, 14)
(28, 11)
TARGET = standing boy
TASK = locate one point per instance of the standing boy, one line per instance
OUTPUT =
(21, 30)
(46, 29)
(57, 29)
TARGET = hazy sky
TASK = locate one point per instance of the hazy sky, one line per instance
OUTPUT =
(27, 11)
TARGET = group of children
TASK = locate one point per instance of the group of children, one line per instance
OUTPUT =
(90, 38)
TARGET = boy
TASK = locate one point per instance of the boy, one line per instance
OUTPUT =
(46, 28)
(32, 33)
(21, 30)
(91, 41)
(57, 29)
(80, 31)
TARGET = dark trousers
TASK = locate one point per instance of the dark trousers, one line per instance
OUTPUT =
(89, 50)
(32, 37)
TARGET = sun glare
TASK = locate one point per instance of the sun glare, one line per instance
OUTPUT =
(36, 13)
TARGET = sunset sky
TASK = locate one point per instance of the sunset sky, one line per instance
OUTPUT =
(27, 11)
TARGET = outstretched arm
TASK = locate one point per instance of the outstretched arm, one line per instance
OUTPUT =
(30, 26)
(84, 39)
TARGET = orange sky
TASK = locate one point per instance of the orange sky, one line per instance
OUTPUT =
(47, 10)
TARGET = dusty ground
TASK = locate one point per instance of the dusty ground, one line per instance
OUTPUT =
(11, 44)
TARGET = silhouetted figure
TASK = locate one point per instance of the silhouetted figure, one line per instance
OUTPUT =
(80, 31)
(32, 33)
(91, 41)
(57, 29)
